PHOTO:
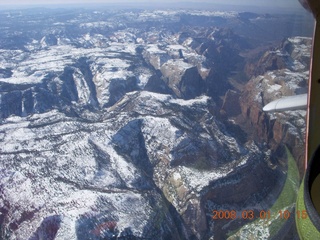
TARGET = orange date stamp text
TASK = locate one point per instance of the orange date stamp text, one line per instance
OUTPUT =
(251, 214)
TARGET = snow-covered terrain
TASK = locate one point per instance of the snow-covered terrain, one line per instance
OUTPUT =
(112, 124)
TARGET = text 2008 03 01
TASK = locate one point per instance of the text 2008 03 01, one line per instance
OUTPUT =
(251, 214)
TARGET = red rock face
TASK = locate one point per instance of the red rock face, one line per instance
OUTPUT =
(277, 80)
(231, 105)
(262, 128)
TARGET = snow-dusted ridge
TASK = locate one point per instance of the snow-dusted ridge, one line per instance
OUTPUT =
(111, 123)
(97, 160)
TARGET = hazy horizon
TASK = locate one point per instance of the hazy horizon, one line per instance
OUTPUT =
(163, 3)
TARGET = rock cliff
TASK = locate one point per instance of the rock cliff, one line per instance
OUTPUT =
(279, 72)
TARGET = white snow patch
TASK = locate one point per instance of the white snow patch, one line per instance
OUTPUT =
(143, 79)
(273, 88)
(199, 100)
(153, 48)
(222, 14)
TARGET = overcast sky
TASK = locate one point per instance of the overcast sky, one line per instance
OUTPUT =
(282, 3)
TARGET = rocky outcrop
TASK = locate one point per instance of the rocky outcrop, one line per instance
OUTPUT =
(286, 56)
(231, 104)
(184, 163)
(271, 61)
(25, 100)
(285, 79)
(155, 56)
(157, 84)
(49, 40)
(183, 79)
